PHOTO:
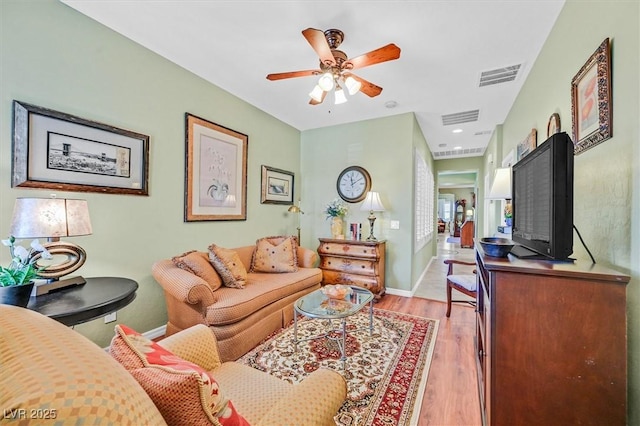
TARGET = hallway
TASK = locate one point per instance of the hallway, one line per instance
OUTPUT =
(433, 284)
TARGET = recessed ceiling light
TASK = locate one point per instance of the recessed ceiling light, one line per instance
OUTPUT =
(391, 104)
(456, 131)
(457, 148)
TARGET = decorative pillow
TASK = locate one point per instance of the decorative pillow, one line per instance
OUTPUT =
(229, 266)
(275, 254)
(184, 392)
(197, 263)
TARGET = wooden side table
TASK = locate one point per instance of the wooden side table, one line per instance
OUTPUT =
(359, 263)
(96, 298)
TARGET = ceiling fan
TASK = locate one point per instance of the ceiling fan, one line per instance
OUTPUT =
(335, 67)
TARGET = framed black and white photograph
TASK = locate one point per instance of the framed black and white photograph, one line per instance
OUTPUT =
(54, 150)
(277, 186)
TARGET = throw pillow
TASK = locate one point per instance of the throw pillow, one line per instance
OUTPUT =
(184, 392)
(197, 263)
(229, 266)
(275, 254)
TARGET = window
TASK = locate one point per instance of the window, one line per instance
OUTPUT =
(424, 195)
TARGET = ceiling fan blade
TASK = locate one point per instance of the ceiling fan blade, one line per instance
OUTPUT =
(314, 102)
(292, 74)
(318, 42)
(367, 88)
(383, 54)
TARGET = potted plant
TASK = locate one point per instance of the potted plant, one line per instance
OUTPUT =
(16, 280)
(336, 211)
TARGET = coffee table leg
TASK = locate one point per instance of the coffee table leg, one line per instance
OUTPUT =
(295, 331)
(371, 318)
(344, 340)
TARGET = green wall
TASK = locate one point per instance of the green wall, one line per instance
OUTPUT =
(55, 57)
(384, 147)
(607, 177)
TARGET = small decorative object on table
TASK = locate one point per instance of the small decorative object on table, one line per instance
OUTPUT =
(496, 247)
(16, 280)
(336, 211)
(337, 291)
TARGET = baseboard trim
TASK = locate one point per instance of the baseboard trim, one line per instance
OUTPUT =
(396, 292)
(156, 332)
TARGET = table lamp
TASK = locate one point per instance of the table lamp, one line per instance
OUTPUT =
(296, 210)
(53, 218)
(373, 204)
(501, 188)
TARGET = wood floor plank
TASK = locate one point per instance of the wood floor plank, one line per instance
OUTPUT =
(451, 396)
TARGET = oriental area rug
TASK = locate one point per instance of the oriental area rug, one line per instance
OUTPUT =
(386, 372)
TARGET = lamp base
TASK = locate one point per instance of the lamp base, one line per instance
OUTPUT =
(372, 219)
(58, 285)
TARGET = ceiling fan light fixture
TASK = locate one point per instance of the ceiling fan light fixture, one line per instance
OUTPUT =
(340, 97)
(326, 81)
(353, 85)
(316, 94)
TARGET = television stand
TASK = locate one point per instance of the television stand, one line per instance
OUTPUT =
(521, 252)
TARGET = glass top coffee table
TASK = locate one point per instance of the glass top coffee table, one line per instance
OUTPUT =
(317, 305)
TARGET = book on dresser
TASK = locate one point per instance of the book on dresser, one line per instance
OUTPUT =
(353, 262)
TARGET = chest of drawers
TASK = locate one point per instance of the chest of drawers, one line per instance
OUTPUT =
(359, 263)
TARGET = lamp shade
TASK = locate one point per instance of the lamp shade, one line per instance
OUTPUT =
(501, 185)
(372, 202)
(50, 218)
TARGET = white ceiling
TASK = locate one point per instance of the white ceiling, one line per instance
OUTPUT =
(446, 45)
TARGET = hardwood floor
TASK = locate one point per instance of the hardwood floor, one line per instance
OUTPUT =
(451, 396)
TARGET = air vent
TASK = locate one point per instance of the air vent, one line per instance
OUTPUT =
(483, 133)
(500, 75)
(458, 152)
(460, 117)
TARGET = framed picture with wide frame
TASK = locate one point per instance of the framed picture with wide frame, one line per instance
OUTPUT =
(216, 171)
(591, 107)
(277, 186)
(55, 150)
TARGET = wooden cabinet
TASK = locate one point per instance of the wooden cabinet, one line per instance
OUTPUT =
(551, 342)
(458, 218)
(359, 263)
(466, 234)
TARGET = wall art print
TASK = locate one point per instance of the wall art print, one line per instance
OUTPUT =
(55, 150)
(591, 106)
(216, 175)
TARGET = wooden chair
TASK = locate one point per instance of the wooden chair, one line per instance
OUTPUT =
(464, 283)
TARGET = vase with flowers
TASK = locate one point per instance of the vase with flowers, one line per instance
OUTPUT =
(336, 210)
(16, 280)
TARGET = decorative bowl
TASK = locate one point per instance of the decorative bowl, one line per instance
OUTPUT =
(496, 247)
(337, 291)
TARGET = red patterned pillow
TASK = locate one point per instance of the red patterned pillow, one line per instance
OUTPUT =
(184, 392)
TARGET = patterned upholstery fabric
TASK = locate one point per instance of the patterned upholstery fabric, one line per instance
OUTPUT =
(229, 266)
(275, 255)
(240, 319)
(48, 369)
(184, 392)
(198, 263)
(264, 400)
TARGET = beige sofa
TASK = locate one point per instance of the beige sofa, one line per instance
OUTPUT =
(240, 318)
(50, 374)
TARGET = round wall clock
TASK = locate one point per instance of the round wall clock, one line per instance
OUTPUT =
(353, 184)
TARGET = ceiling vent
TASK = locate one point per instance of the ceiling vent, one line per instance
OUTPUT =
(500, 75)
(460, 117)
(458, 153)
(483, 133)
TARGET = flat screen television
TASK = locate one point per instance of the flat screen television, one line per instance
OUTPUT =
(542, 200)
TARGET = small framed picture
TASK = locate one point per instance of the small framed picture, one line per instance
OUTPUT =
(529, 144)
(591, 100)
(277, 186)
(553, 126)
